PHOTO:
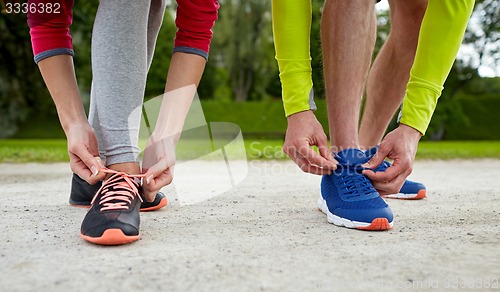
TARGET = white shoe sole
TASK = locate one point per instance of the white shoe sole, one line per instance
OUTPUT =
(376, 224)
(418, 196)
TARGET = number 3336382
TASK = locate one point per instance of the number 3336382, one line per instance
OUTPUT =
(17, 8)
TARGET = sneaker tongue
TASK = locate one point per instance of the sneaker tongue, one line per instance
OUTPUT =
(351, 156)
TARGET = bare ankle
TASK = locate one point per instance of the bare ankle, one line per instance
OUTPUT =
(127, 167)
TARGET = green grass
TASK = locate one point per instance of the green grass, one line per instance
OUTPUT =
(458, 149)
(22, 151)
(33, 151)
(266, 119)
(268, 149)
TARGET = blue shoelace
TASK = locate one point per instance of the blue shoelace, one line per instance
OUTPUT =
(356, 184)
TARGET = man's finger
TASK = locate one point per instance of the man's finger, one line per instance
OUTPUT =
(305, 166)
(314, 158)
(392, 187)
(385, 176)
(379, 157)
(324, 151)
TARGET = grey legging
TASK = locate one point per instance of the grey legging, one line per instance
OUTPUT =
(123, 42)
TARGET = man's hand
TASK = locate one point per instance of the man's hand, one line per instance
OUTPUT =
(399, 145)
(83, 153)
(157, 165)
(305, 131)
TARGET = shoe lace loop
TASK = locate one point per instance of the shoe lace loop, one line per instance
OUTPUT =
(121, 190)
(355, 182)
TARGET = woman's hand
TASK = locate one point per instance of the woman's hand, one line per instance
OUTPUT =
(157, 165)
(83, 153)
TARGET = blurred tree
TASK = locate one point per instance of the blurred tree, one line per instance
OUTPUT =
(81, 30)
(241, 65)
(274, 86)
(316, 55)
(243, 45)
(483, 36)
(449, 110)
(22, 90)
(21, 87)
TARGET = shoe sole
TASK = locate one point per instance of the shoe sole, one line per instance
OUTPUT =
(112, 237)
(378, 224)
(162, 204)
(418, 196)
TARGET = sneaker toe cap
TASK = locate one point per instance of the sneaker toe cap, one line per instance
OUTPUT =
(94, 226)
(98, 230)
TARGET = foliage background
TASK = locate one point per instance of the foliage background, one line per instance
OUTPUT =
(241, 81)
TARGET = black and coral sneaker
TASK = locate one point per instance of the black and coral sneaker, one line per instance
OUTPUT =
(113, 217)
(82, 193)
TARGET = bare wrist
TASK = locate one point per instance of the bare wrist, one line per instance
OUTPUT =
(299, 115)
(162, 137)
(71, 121)
(408, 130)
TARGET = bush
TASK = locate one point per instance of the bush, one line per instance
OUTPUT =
(483, 122)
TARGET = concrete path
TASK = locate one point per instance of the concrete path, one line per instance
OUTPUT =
(265, 234)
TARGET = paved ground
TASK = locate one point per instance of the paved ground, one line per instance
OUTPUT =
(265, 234)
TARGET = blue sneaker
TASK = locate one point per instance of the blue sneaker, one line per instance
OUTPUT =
(410, 190)
(348, 197)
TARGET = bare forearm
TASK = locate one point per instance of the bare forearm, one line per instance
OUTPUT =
(59, 76)
(185, 69)
(184, 75)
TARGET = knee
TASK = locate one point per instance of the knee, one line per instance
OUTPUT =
(408, 19)
(406, 22)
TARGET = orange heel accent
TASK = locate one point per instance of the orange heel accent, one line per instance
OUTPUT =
(111, 237)
(377, 224)
(80, 206)
(421, 194)
(162, 204)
